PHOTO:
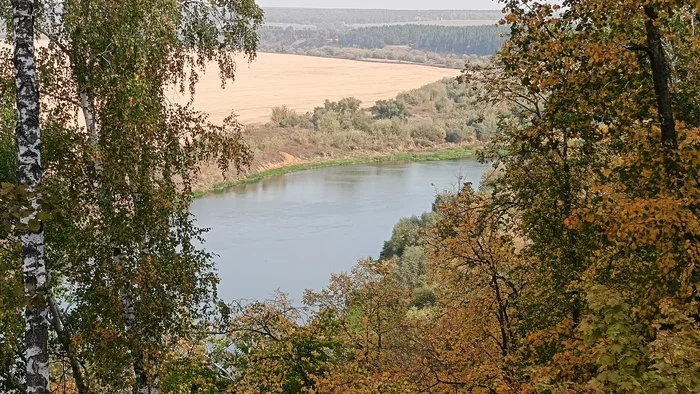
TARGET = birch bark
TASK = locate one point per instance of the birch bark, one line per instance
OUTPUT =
(29, 174)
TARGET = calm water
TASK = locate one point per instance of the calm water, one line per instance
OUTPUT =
(292, 231)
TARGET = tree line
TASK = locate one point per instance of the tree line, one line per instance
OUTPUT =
(465, 40)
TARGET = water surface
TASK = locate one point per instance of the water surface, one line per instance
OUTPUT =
(292, 231)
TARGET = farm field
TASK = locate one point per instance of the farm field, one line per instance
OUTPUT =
(302, 83)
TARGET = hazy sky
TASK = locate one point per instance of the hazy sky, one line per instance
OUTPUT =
(393, 4)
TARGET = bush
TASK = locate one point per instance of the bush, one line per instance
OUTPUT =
(414, 97)
(489, 179)
(406, 233)
(426, 132)
(328, 122)
(382, 127)
(347, 112)
(423, 297)
(411, 266)
(387, 109)
(285, 117)
(487, 128)
(443, 198)
(362, 121)
(455, 136)
(444, 105)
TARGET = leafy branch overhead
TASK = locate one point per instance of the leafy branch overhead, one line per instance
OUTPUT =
(127, 277)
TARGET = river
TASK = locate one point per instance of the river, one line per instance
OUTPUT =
(291, 232)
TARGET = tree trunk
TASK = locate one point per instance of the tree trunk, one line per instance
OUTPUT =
(143, 385)
(29, 173)
(142, 379)
(65, 334)
(661, 75)
(89, 117)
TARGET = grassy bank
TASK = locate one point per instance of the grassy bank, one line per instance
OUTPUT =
(446, 154)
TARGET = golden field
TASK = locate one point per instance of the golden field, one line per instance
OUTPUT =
(302, 83)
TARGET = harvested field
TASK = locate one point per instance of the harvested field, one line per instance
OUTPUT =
(304, 82)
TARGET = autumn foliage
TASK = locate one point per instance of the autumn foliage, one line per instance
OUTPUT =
(575, 271)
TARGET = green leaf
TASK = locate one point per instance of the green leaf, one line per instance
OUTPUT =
(34, 225)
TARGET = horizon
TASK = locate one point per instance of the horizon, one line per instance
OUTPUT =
(380, 9)
(404, 5)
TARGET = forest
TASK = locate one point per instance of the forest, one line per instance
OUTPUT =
(464, 40)
(442, 46)
(573, 268)
(387, 35)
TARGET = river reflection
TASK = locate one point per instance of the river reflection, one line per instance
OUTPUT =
(292, 231)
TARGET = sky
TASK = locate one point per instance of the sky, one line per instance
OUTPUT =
(391, 4)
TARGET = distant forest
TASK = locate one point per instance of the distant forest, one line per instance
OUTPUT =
(327, 16)
(463, 40)
(444, 38)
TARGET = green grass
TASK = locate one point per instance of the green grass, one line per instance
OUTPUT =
(447, 154)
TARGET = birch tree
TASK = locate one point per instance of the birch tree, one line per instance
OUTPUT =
(122, 162)
(29, 175)
(121, 59)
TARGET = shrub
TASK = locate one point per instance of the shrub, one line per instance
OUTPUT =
(406, 233)
(444, 105)
(362, 121)
(285, 117)
(382, 127)
(423, 297)
(328, 122)
(414, 97)
(426, 132)
(8, 157)
(489, 178)
(387, 109)
(411, 266)
(347, 112)
(487, 128)
(455, 136)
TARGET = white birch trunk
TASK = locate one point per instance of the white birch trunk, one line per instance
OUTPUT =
(29, 173)
(89, 116)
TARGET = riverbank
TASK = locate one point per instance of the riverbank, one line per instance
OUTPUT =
(408, 156)
(438, 121)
